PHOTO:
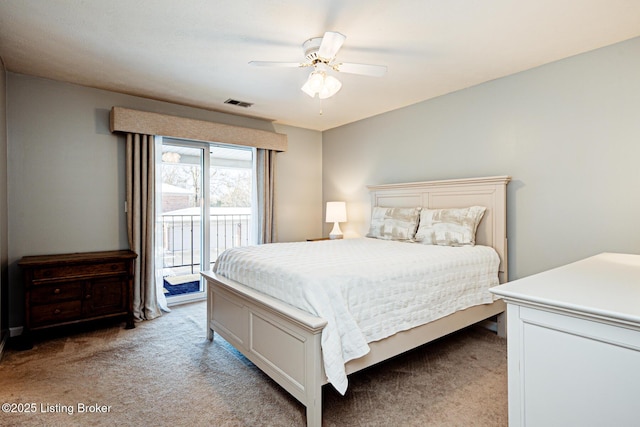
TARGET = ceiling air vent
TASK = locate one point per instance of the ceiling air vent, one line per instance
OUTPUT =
(238, 103)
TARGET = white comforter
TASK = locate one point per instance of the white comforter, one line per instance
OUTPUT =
(366, 289)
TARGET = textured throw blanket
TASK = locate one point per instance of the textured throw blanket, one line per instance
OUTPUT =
(367, 289)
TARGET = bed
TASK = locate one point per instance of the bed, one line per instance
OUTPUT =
(286, 342)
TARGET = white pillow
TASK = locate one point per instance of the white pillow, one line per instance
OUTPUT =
(449, 227)
(393, 223)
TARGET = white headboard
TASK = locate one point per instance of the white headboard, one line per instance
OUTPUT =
(490, 192)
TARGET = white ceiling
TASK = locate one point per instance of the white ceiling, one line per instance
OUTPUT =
(196, 52)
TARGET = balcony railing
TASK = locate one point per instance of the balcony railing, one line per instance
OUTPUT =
(182, 243)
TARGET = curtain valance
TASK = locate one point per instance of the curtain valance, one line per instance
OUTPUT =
(144, 122)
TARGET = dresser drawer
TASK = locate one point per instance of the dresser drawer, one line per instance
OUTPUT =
(70, 271)
(55, 313)
(51, 294)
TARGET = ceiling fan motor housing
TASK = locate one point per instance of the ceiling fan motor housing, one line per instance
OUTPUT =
(311, 48)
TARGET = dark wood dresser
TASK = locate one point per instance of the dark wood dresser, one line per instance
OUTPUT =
(73, 288)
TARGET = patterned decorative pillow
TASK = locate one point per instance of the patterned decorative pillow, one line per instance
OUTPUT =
(449, 227)
(393, 223)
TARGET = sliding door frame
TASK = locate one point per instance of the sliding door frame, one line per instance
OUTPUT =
(205, 226)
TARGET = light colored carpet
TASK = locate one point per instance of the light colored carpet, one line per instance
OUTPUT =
(165, 373)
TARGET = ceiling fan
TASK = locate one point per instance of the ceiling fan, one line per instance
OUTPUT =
(320, 53)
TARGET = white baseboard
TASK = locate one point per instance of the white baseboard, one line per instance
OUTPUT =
(17, 331)
(3, 342)
(489, 324)
(4, 339)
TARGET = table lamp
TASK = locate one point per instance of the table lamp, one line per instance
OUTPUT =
(336, 213)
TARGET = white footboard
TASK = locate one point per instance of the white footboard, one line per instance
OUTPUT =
(281, 340)
(285, 342)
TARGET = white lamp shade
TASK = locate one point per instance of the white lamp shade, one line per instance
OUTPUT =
(321, 84)
(331, 87)
(336, 212)
(314, 83)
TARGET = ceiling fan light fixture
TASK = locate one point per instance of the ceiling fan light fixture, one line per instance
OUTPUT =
(320, 53)
(314, 83)
(321, 84)
(331, 87)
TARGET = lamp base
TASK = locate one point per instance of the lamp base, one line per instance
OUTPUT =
(336, 233)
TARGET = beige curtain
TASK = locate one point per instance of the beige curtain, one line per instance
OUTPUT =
(265, 178)
(140, 164)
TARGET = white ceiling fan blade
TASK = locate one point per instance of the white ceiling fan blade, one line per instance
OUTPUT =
(331, 44)
(364, 69)
(277, 64)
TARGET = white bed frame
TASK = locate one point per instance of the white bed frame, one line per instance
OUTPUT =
(284, 341)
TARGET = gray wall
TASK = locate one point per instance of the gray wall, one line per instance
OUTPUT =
(299, 193)
(567, 132)
(4, 278)
(66, 172)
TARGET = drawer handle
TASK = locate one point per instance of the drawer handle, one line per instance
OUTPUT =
(88, 296)
(57, 311)
(56, 291)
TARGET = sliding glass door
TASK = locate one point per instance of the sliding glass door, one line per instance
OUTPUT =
(204, 207)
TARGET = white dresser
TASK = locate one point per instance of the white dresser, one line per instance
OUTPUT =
(573, 337)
